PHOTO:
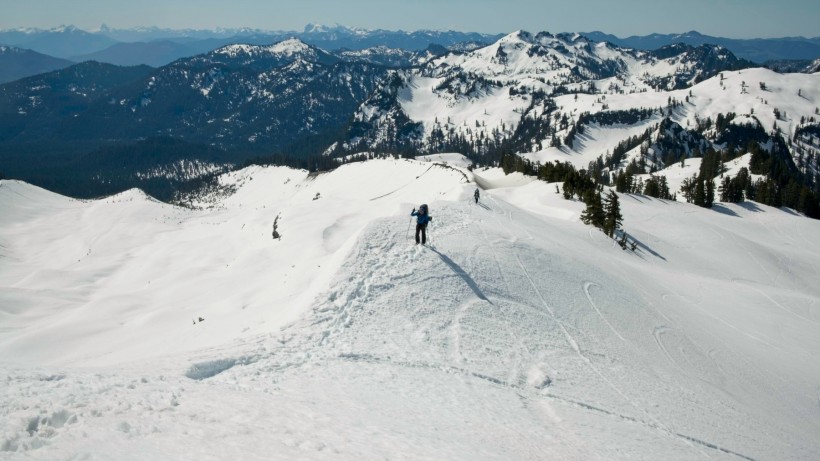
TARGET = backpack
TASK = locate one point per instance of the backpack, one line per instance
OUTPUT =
(423, 209)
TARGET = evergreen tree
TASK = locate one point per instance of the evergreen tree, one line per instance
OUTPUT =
(725, 189)
(623, 182)
(657, 186)
(663, 185)
(651, 188)
(710, 193)
(700, 192)
(594, 212)
(612, 211)
(688, 188)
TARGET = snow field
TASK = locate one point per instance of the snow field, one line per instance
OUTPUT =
(519, 332)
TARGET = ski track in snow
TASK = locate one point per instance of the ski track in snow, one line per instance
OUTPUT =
(655, 423)
(715, 317)
(772, 300)
(518, 366)
(587, 286)
(652, 423)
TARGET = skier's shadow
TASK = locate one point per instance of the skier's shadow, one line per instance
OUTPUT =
(464, 275)
(483, 206)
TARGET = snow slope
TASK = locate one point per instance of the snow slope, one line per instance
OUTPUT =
(519, 334)
(736, 92)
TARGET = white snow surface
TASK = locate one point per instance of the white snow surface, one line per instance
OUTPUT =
(518, 333)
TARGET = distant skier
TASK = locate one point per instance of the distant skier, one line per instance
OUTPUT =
(476, 194)
(422, 218)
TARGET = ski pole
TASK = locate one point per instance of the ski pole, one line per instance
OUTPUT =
(407, 234)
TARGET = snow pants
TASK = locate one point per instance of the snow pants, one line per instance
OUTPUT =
(421, 228)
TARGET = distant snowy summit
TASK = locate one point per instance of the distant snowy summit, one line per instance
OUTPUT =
(285, 51)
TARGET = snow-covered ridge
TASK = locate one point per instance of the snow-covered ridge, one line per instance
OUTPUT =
(335, 29)
(286, 48)
(567, 58)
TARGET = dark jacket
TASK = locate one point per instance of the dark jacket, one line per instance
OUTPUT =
(421, 218)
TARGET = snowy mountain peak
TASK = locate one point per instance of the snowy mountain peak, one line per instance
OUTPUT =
(285, 51)
(311, 28)
(290, 47)
(66, 29)
(691, 34)
(517, 36)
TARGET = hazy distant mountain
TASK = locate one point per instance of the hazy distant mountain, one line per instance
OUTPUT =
(758, 50)
(155, 54)
(62, 42)
(157, 47)
(17, 63)
(386, 47)
(152, 33)
(356, 39)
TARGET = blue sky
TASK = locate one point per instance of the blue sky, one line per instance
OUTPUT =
(728, 18)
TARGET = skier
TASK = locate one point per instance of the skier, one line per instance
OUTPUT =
(476, 194)
(422, 218)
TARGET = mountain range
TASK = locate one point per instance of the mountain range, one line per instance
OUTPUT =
(95, 128)
(17, 63)
(758, 50)
(157, 47)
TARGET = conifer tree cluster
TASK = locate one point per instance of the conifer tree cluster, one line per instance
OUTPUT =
(612, 215)
(784, 184)
(700, 188)
(657, 186)
(549, 172)
(626, 183)
(579, 183)
(614, 160)
(732, 190)
(604, 214)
